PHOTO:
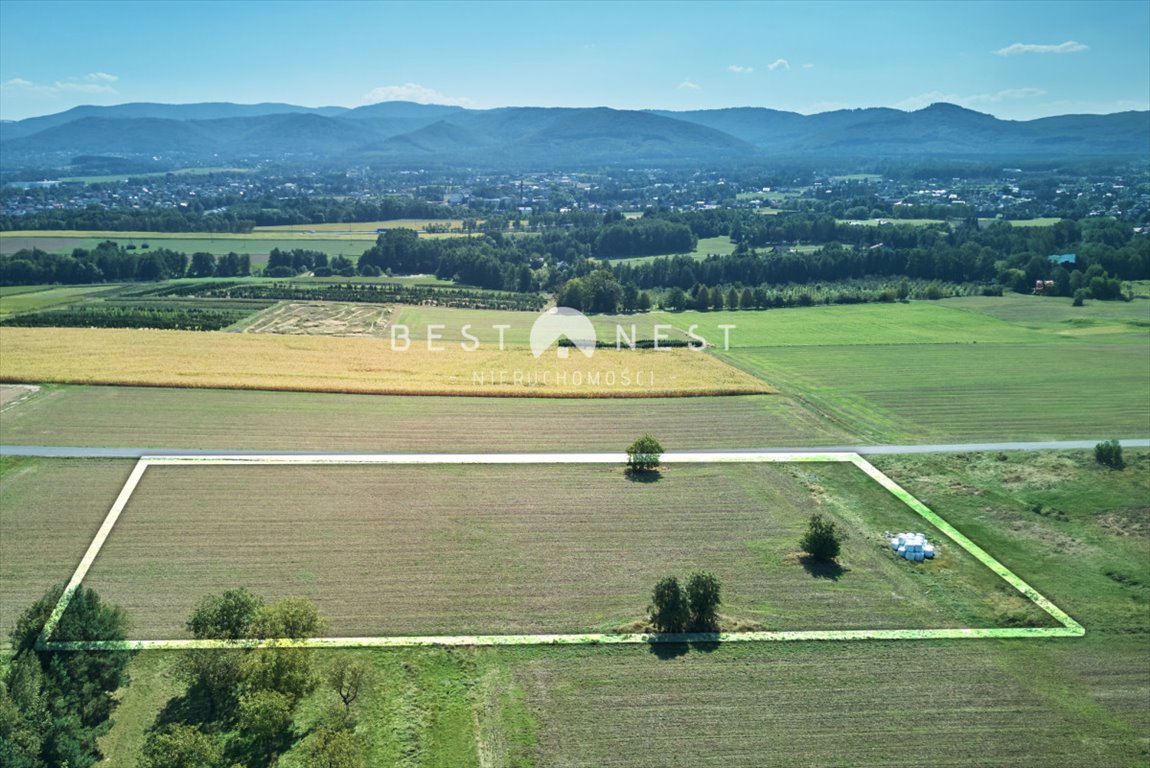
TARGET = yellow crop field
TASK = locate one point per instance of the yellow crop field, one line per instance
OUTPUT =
(354, 365)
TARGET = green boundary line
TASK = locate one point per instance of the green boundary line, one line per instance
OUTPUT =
(1069, 627)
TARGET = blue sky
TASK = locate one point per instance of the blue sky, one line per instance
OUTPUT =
(1016, 60)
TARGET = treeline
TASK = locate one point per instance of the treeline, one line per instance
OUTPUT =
(109, 262)
(644, 237)
(287, 263)
(488, 261)
(379, 293)
(162, 318)
(231, 214)
(1014, 257)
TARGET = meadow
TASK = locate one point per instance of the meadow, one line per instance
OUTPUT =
(707, 246)
(1062, 702)
(29, 298)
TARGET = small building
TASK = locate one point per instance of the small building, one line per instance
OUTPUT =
(1063, 258)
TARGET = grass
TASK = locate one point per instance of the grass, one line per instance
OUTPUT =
(238, 419)
(1065, 702)
(964, 393)
(855, 324)
(1038, 222)
(256, 246)
(720, 246)
(329, 364)
(46, 297)
(1099, 320)
(969, 369)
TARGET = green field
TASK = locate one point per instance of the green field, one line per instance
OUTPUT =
(16, 299)
(707, 246)
(257, 248)
(1019, 367)
(1063, 702)
(953, 393)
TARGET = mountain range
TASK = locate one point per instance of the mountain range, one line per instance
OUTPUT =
(426, 135)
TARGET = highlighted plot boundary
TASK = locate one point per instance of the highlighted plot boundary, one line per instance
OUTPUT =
(1068, 626)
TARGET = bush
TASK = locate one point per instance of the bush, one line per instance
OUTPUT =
(822, 541)
(1080, 297)
(669, 609)
(1109, 454)
(643, 455)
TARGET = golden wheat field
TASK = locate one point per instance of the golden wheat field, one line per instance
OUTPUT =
(361, 365)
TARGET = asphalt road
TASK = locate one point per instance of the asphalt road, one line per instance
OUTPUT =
(72, 452)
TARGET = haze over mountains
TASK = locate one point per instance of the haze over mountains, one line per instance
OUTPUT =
(409, 134)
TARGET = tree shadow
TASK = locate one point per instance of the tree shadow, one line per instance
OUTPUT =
(188, 709)
(666, 650)
(643, 475)
(822, 569)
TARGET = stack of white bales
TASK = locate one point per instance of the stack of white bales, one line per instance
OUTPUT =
(912, 546)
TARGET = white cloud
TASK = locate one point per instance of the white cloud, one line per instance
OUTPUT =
(420, 94)
(74, 87)
(979, 99)
(808, 66)
(687, 85)
(97, 82)
(740, 70)
(1069, 46)
(779, 64)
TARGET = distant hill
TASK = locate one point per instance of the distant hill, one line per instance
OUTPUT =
(405, 133)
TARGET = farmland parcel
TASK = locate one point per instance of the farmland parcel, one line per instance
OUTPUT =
(562, 552)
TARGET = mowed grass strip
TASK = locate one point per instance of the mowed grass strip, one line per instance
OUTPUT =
(148, 417)
(966, 393)
(466, 549)
(49, 513)
(327, 364)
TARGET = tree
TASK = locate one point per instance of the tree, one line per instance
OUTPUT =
(293, 618)
(669, 608)
(264, 719)
(704, 599)
(66, 698)
(822, 541)
(330, 747)
(1109, 454)
(227, 616)
(181, 746)
(644, 454)
(213, 676)
(347, 677)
